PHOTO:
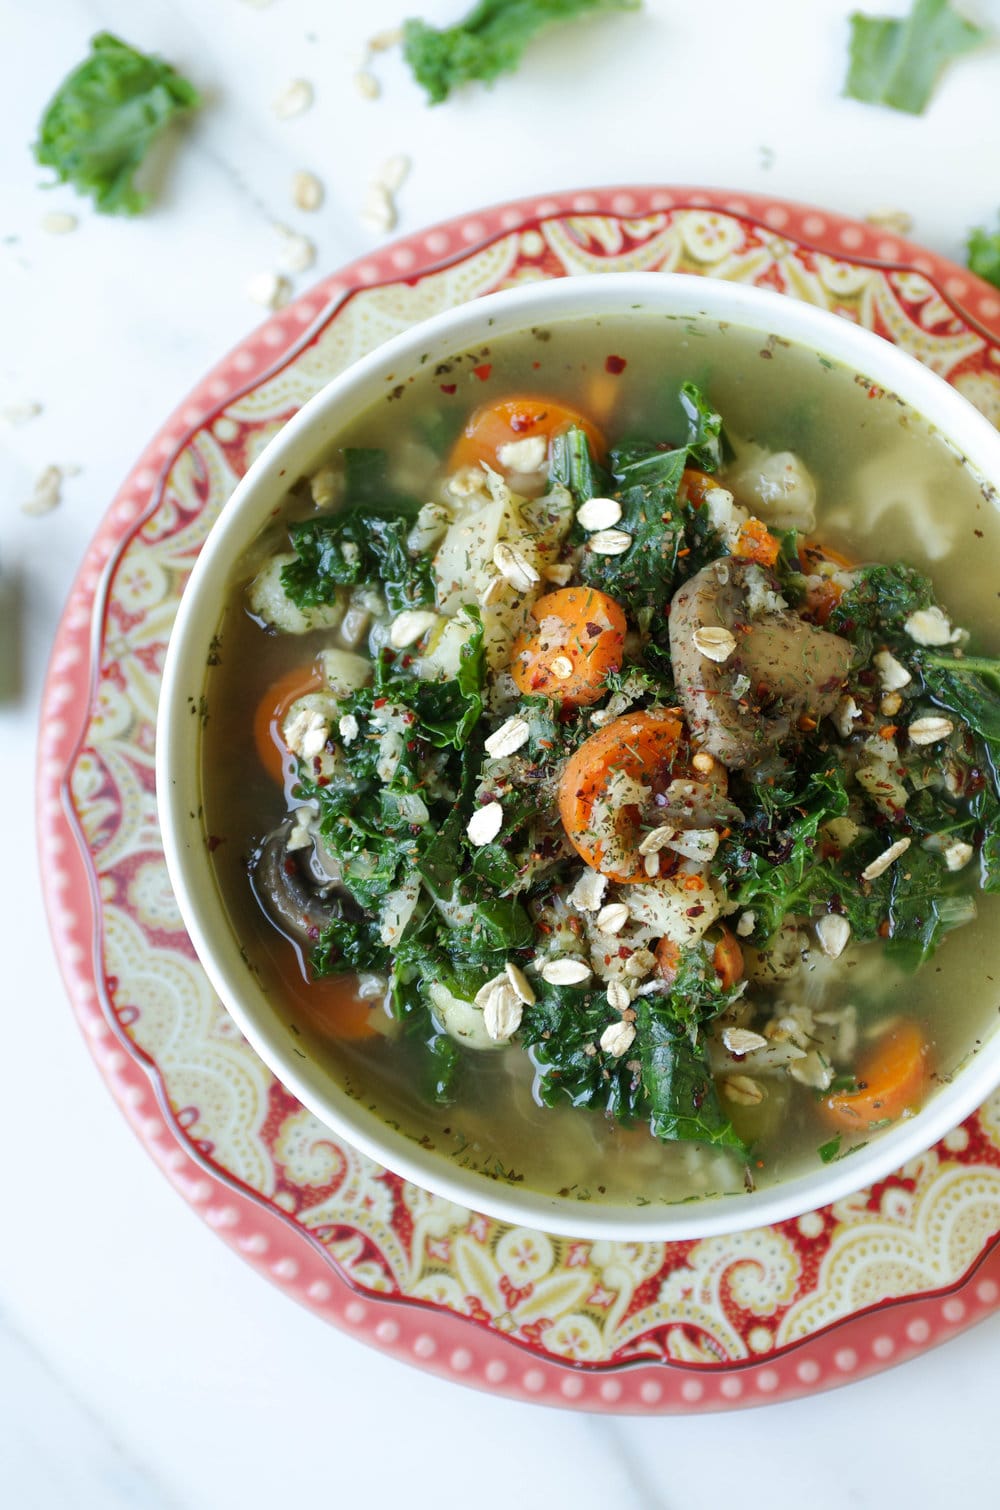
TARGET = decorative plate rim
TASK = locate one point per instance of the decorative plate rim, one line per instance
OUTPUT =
(406, 1326)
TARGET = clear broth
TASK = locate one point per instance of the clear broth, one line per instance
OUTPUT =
(889, 489)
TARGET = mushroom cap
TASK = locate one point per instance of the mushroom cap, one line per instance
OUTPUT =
(781, 668)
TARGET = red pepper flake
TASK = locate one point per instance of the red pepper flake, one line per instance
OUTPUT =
(615, 365)
(693, 883)
(807, 724)
(526, 419)
(483, 371)
(213, 841)
(448, 388)
(380, 702)
(888, 730)
(687, 549)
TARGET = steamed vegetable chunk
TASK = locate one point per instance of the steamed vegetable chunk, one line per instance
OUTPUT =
(609, 783)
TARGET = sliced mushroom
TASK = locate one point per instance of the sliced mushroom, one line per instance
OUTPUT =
(778, 668)
(295, 890)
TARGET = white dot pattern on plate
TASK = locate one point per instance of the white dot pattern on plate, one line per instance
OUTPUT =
(768, 1380)
(319, 1291)
(424, 1346)
(988, 1292)
(918, 1330)
(534, 1381)
(572, 1387)
(692, 1390)
(731, 1387)
(611, 1390)
(495, 1371)
(883, 1347)
(461, 1360)
(387, 1331)
(355, 1312)
(808, 1371)
(953, 1310)
(846, 1359)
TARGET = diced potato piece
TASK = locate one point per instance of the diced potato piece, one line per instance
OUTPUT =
(442, 659)
(462, 1020)
(667, 910)
(269, 601)
(344, 672)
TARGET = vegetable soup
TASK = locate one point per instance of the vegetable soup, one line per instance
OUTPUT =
(599, 766)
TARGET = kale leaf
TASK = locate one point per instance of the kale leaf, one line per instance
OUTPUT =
(448, 711)
(878, 603)
(572, 465)
(677, 1081)
(665, 1077)
(103, 119)
(896, 61)
(648, 477)
(344, 945)
(968, 686)
(489, 41)
(562, 1029)
(363, 542)
(983, 254)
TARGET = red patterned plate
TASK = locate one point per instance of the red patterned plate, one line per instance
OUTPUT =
(643, 1327)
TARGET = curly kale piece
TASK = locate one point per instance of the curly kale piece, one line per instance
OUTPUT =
(896, 61)
(982, 253)
(489, 41)
(105, 116)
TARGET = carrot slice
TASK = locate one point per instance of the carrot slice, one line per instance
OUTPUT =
(330, 1005)
(892, 1080)
(695, 484)
(668, 959)
(270, 715)
(648, 747)
(756, 543)
(579, 640)
(823, 596)
(727, 959)
(518, 418)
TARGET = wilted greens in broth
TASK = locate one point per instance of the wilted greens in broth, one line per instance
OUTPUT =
(621, 782)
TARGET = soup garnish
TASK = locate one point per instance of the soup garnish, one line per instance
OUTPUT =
(601, 739)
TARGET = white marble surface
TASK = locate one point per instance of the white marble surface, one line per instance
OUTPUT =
(141, 1364)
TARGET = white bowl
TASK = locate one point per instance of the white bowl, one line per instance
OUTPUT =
(299, 448)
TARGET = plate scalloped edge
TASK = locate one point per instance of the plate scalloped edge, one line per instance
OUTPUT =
(449, 1344)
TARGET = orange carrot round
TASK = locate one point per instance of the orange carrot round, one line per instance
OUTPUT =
(695, 484)
(579, 640)
(823, 596)
(756, 543)
(271, 713)
(645, 747)
(330, 1005)
(519, 417)
(891, 1079)
(727, 958)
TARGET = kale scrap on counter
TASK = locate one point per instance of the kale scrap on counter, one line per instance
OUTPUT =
(983, 254)
(487, 42)
(896, 61)
(105, 116)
